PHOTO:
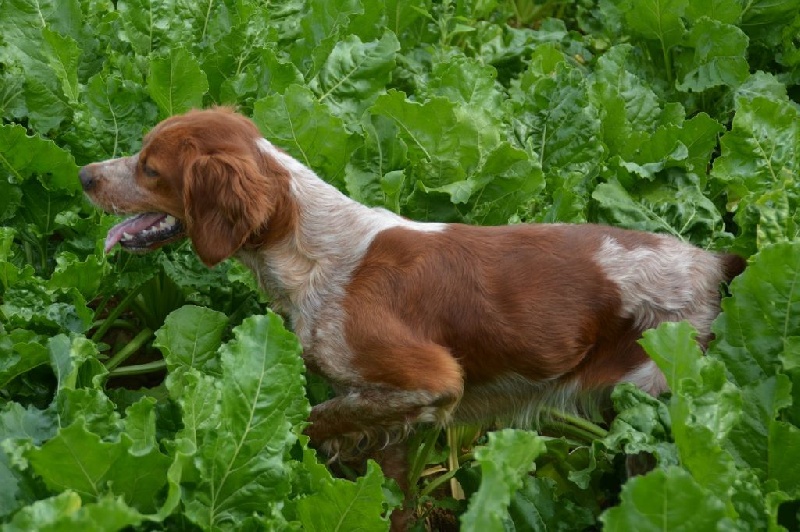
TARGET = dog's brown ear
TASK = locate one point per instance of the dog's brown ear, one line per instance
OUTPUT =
(226, 200)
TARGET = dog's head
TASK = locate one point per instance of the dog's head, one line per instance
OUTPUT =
(202, 174)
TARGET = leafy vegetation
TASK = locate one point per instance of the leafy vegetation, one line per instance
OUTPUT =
(150, 392)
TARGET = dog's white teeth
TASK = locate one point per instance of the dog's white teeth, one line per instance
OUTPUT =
(169, 220)
(126, 236)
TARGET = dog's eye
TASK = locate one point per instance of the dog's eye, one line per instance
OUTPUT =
(149, 171)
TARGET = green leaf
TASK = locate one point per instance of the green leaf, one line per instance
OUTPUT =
(25, 19)
(504, 185)
(84, 275)
(46, 110)
(703, 415)
(46, 512)
(375, 175)
(69, 356)
(63, 53)
(784, 453)
(540, 506)
(25, 26)
(267, 73)
(191, 336)
(10, 200)
(241, 453)
(23, 350)
(140, 425)
(674, 349)
(719, 57)
(704, 407)
(297, 122)
(29, 304)
(686, 144)
(725, 11)
(559, 120)
(66, 512)
(751, 441)
(91, 407)
(339, 504)
(505, 460)
(462, 79)
(12, 98)
(460, 153)
(627, 105)
(402, 14)
(80, 461)
(555, 118)
(760, 157)
(680, 209)
(22, 156)
(311, 475)
(761, 149)
(642, 425)
(665, 499)
(41, 206)
(18, 423)
(759, 326)
(323, 23)
(147, 24)
(778, 217)
(429, 131)
(763, 19)
(355, 73)
(700, 135)
(9, 272)
(116, 111)
(176, 81)
(658, 20)
(198, 396)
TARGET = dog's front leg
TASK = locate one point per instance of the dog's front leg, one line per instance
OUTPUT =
(393, 379)
(365, 418)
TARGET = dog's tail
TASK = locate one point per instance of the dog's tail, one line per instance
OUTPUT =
(732, 265)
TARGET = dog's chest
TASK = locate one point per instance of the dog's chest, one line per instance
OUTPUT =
(310, 295)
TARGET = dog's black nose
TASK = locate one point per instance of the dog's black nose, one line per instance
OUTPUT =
(87, 178)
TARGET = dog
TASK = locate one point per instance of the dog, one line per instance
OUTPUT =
(410, 322)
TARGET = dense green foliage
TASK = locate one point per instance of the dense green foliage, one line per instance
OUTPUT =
(149, 391)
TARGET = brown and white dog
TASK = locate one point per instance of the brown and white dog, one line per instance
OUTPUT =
(410, 322)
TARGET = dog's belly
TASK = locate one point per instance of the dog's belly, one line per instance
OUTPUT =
(517, 400)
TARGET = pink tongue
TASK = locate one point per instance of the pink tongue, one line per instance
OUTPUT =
(132, 225)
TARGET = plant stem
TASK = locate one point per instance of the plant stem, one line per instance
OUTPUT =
(571, 430)
(667, 63)
(423, 454)
(118, 324)
(114, 314)
(438, 481)
(28, 252)
(452, 463)
(588, 426)
(129, 349)
(140, 369)
(43, 255)
(100, 307)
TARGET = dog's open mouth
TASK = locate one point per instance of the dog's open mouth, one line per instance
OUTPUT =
(144, 232)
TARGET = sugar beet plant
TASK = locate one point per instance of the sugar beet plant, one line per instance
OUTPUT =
(148, 392)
